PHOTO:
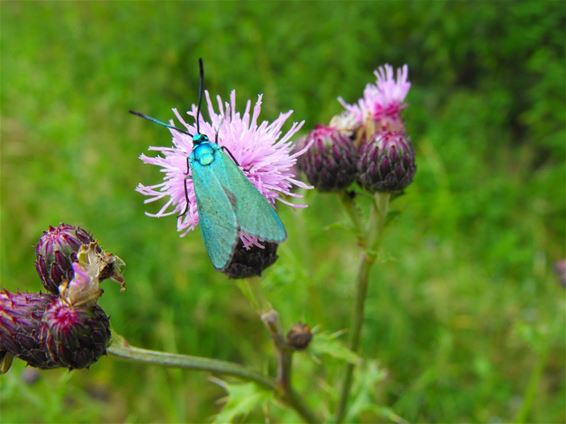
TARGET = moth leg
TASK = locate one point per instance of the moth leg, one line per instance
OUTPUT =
(186, 198)
(188, 166)
(230, 154)
(186, 191)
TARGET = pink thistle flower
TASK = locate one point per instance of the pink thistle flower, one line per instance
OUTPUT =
(264, 153)
(384, 99)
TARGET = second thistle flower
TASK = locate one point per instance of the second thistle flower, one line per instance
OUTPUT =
(330, 162)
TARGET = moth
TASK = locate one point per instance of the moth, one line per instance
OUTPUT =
(228, 203)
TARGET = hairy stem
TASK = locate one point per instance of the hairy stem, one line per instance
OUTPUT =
(369, 240)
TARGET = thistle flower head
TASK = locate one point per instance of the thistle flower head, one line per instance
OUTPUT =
(383, 101)
(330, 161)
(386, 163)
(263, 151)
(251, 261)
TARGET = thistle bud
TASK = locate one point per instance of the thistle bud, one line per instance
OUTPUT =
(74, 336)
(20, 320)
(299, 336)
(46, 332)
(55, 253)
(386, 162)
(330, 161)
(250, 262)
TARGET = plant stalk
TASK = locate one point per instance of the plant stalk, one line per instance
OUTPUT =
(121, 349)
(369, 241)
(251, 288)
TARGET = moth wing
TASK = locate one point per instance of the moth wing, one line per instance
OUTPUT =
(217, 217)
(254, 214)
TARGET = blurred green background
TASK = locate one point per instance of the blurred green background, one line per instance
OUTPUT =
(467, 317)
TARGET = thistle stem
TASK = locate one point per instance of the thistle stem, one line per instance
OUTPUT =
(251, 288)
(121, 349)
(369, 240)
(354, 214)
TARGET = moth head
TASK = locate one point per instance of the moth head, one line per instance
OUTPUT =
(199, 138)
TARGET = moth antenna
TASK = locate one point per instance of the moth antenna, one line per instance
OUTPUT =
(158, 122)
(200, 91)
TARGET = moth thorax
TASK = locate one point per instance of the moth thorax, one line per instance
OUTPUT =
(204, 154)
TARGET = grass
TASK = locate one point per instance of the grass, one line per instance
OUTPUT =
(465, 314)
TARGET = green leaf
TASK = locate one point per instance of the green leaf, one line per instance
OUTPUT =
(328, 344)
(241, 400)
(339, 225)
(364, 394)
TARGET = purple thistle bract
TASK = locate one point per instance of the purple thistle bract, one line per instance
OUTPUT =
(263, 151)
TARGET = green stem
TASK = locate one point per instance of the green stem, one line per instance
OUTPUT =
(370, 244)
(252, 290)
(531, 389)
(121, 349)
(354, 214)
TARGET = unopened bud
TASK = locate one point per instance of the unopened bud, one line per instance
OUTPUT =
(386, 163)
(55, 253)
(330, 161)
(299, 336)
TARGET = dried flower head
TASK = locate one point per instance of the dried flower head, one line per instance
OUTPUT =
(263, 151)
